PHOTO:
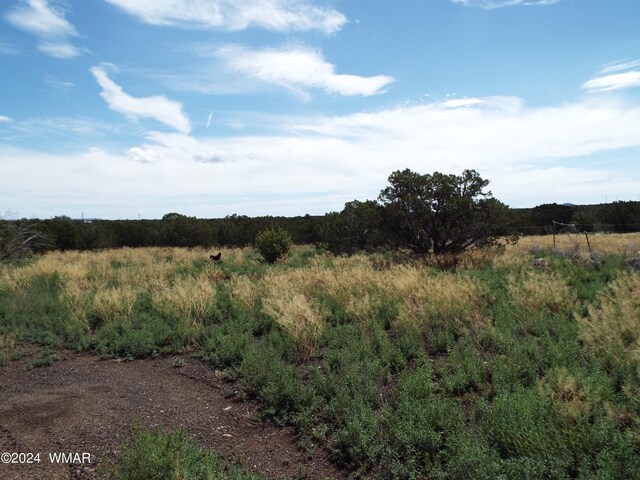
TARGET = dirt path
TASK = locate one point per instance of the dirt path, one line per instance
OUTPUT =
(83, 404)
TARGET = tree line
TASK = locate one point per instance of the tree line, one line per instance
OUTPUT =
(422, 213)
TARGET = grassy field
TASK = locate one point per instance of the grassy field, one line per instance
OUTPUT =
(491, 368)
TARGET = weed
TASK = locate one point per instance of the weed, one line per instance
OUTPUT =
(156, 454)
(178, 362)
(538, 291)
(47, 358)
(7, 347)
(611, 327)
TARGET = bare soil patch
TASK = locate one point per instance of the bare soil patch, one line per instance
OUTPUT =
(83, 404)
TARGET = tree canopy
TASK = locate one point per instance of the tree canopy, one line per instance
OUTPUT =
(443, 213)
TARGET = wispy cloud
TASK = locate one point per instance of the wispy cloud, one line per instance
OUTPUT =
(616, 81)
(233, 15)
(60, 131)
(614, 77)
(490, 4)
(58, 49)
(620, 66)
(5, 119)
(58, 84)
(298, 69)
(8, 49)
(48, 23)
(159, 107)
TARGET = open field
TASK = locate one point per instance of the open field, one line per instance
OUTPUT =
(398, 369)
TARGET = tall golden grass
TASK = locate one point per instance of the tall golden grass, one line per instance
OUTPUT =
(292, 297)
(183, 284)
(627, 244)
(535, 291)
(612, 326)
(106, 284)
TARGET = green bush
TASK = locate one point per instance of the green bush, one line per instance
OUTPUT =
(156, 455)
(462, 371)
(273, 243)
(527, 432)
(421, 426)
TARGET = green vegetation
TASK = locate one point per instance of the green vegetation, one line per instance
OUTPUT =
(273, 243)
(433, 212)
(153, 454)
(442, 213)
(493, 369)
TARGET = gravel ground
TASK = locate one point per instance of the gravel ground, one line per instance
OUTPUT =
(81, 404)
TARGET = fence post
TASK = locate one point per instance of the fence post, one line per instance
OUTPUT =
(588, 243)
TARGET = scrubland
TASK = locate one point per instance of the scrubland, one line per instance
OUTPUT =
(474, 366)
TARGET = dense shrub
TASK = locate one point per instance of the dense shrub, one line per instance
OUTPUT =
(273, 243)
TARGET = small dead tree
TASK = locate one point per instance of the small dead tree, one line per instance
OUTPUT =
(18, 239)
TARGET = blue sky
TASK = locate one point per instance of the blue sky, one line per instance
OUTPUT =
(137, 108)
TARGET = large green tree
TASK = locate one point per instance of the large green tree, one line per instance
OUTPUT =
(443, 213)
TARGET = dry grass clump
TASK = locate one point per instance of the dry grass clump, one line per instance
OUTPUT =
(612, 326)
(246, 291)
(7, 347)
(569, 392)
(511, 260)
(292, 297)
(17, 280)
(541, 290)
(112, 303)
(190, 299)
(424, 296)
(475, 258)
(295, 312)
(421, 295)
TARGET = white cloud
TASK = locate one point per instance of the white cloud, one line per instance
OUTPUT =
(461, 102)
(40, 18)
(5, 119)
(159, 108)
(298, 68)
(620, 66)
(490, 4)
(490, 131)
(59, 49)
(539, 149)
(616, 81)
(47, 23)
(278, 15)
(569, 152)
(144, 155)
